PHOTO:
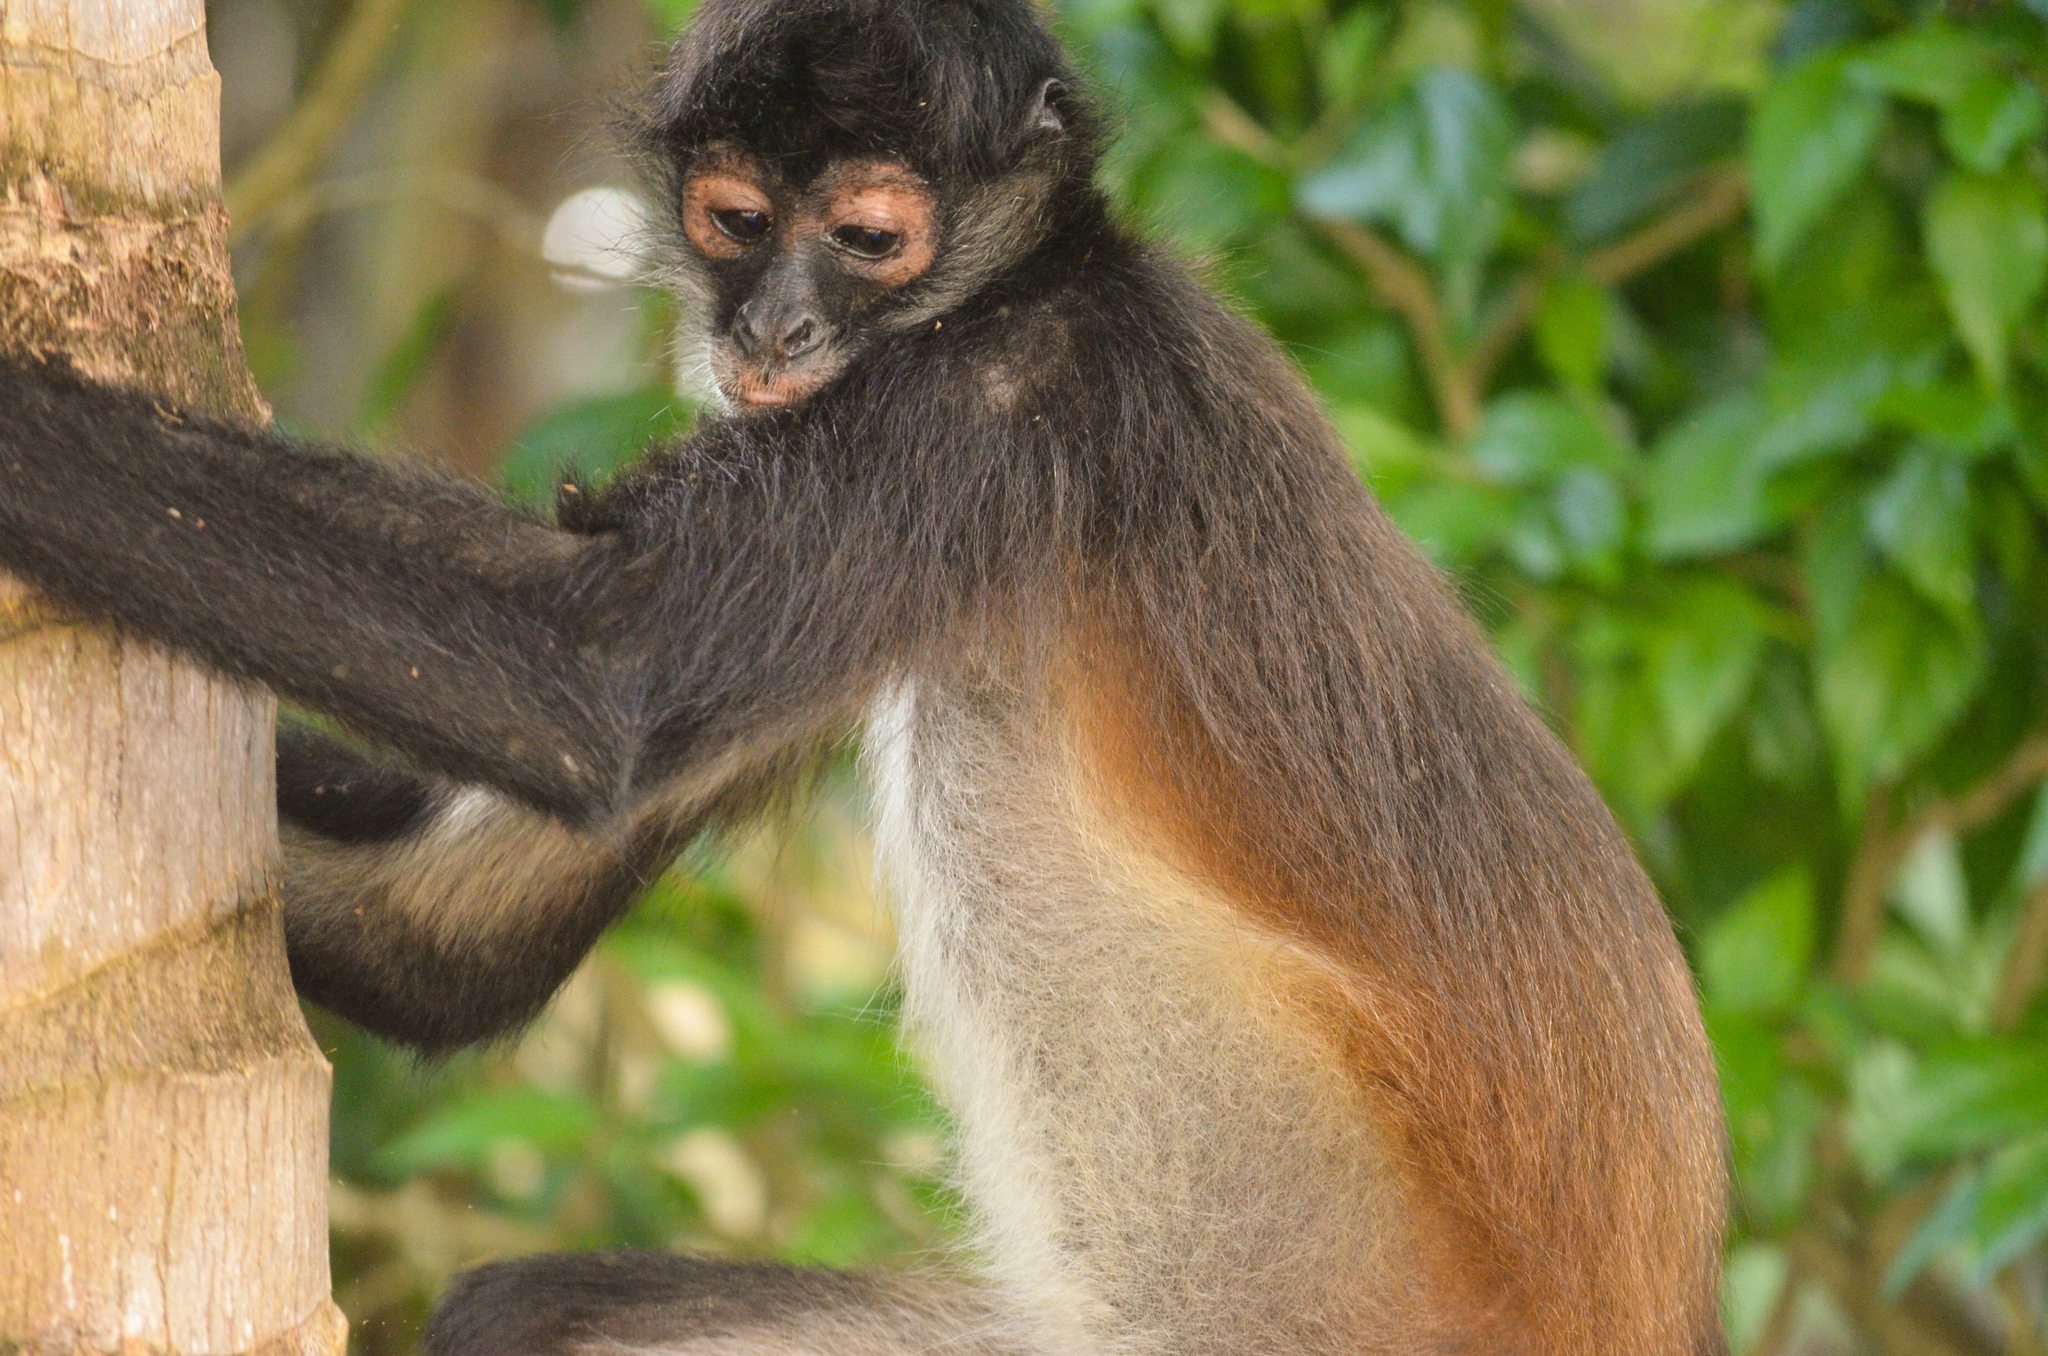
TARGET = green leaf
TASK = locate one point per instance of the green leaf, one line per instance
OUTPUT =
(1704, 490)
(1208, 194)
(2001, 1209)
(1571, 330)
(1376, 176)
(671, 15)
(2031, 866)
(1436, 165)
(1750, 1286)
(1892, 671)
(1811, 135)
(1931, 894)
(1949, 1223)
(1457, 522)
(1821, 409)
(1380, 446)
(1343, 62)
(1756, 955)
(1987, 242)
(1591, 518)
(1190, 25)
(1921, 518)
(1531, 437)
(1957, 416)
(1649, 162)
(460, 1135)
(1954, 1102)
(1702, 657)
(399, 374)
(1994, 115)
(1933, 64)
(1985, 110)
(2012, 1204)
(590, 437)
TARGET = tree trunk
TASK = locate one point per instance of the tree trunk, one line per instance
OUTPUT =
(163, 1111)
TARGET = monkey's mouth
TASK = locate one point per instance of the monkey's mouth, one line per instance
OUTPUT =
(767, 385)
(783, 388)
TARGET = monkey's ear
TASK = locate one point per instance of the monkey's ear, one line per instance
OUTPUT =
(1048, 116)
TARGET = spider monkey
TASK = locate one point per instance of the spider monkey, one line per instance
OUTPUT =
(1290, 987)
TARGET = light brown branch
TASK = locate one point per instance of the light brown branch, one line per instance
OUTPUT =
(467, 195)
(1504, 328)
(302, 143)
(1878, 852)
(1882, 849)
(1226, 122)
(2020, 980)
(1404, 288)
(1719, 203)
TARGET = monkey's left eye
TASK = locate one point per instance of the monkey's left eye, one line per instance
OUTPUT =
(742, 224)
(866, 241)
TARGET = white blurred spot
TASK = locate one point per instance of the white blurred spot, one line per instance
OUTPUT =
(913, 1150)
(593, 239)
(728, 1184)
(690, 1020)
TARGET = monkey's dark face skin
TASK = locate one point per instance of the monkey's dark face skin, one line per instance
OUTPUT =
(797, 269)
(836, 176)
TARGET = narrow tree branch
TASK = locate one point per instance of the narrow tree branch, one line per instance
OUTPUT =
(1878, 851)
(1404, 288)
(2020, 981)
(352, 59)
(1987, 800)
(1226, 122)
(1504, 328)
(467, 195)
(1719, 203)
(1881, 850)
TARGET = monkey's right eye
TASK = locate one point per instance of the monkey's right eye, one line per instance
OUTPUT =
(743, 224)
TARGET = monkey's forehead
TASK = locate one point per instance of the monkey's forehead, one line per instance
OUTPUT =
(940, 84)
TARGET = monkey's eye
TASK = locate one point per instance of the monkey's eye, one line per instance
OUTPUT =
(743, 224)
(866, 241)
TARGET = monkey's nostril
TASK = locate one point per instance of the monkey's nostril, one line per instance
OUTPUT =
(799, 338)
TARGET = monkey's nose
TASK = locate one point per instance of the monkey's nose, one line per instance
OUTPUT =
(787, 335)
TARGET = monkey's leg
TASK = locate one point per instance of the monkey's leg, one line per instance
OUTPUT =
(431, 913)
(620, 1302)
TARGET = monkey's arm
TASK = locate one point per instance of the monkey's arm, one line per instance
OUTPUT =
(436, 914)
(413, 607)
(726, 602)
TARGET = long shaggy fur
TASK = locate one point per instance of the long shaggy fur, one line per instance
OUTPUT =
(1291, 988)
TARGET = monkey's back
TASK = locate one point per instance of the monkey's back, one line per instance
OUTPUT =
(1284, 973)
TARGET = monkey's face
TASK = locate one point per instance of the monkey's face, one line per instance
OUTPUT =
(796, 272)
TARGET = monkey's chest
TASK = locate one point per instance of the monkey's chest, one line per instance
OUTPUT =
(1103, 1038)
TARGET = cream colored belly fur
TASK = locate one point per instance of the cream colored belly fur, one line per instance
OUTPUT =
(1158, 1157)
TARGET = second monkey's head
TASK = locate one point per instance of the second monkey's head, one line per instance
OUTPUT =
(840, 171)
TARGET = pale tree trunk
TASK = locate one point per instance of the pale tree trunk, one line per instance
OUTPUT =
(163, 1112)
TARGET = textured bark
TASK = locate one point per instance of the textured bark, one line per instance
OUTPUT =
(163, 1111)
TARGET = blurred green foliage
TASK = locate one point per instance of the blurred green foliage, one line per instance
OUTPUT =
(1703, 342)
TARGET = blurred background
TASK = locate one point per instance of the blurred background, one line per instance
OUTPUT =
(1702, 341)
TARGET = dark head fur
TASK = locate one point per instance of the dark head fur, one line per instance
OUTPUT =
(946, 86)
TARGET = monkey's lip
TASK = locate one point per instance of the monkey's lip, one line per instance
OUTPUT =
(783, 389)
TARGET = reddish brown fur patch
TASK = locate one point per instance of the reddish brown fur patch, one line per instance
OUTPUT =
(722, 181)
(1540, 1082)
(880, 195)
